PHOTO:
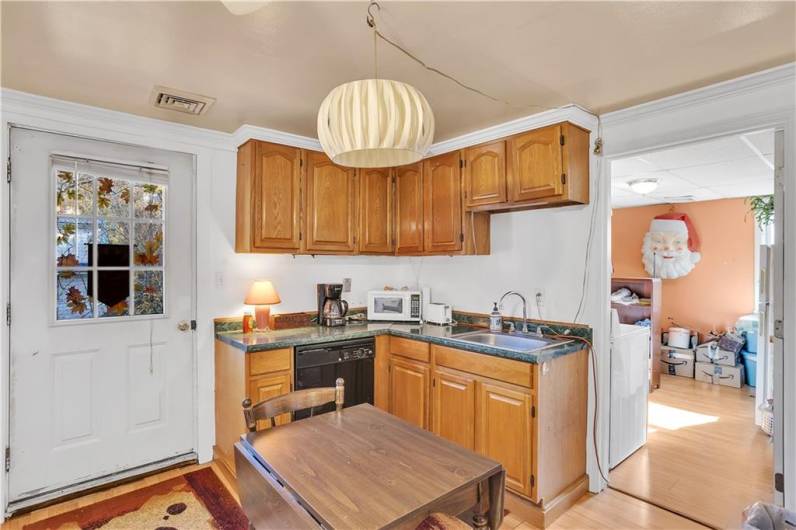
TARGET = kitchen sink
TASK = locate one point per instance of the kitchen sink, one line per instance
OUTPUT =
(509, 341)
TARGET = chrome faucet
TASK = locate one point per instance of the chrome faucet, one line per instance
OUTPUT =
(524, 328)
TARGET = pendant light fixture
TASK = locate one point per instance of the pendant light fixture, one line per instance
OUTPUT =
(375, 122)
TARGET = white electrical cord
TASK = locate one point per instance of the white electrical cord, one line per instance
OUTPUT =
(593, 220)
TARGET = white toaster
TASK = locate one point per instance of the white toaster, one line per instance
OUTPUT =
(438, 313)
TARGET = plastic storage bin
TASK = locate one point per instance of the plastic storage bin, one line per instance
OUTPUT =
(750, 367)
(751, 341)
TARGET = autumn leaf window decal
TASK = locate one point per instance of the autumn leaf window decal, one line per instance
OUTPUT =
(109, 245)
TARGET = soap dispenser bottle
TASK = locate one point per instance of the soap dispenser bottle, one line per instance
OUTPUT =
(495, 319)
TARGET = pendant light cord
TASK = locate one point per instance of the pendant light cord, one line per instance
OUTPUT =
(371, 21)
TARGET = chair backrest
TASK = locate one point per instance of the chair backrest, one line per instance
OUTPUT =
(292, 402)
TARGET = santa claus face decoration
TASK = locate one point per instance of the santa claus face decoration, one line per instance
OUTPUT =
(669, 249)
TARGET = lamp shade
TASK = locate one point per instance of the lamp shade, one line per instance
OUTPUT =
(375, 123)
(262, 292)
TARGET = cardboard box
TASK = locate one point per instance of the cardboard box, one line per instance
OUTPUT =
(677, 361)
(719, 374)
(711, 353)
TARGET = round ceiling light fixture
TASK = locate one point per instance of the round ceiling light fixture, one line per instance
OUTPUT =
(643, 186)
(243, 7)
(375, 122)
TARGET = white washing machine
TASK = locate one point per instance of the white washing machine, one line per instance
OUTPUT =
(630, 368)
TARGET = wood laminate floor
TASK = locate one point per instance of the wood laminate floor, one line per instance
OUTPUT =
(608, 510)
(704, 457)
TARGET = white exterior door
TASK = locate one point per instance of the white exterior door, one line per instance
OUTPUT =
(102, 293)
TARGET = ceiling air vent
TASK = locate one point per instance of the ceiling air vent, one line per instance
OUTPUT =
(181, 101)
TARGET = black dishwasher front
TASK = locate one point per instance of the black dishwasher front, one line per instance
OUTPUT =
(319, 365)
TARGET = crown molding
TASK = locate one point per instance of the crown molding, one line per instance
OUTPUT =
(571, 113)
(23, 108)
(252, 132)
(779, 75)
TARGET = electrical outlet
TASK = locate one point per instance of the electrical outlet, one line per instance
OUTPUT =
(219, 279)
(346, 285)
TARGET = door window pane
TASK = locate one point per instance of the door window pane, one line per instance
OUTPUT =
(113, 197)
(73, 239)
(148, 290)
(148, 201)
(113, 293)
(148, 244)
(113, 243)
(74, 294)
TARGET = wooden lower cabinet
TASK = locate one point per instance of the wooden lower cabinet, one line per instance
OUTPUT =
(503, 430)
(530, 418)
(453, 407)
(240, 375)
(409, 390)
(268, 386)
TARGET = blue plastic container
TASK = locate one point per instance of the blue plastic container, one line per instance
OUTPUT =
(750, 367)
(751, 341)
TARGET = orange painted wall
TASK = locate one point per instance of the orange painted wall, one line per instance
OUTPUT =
(722, 285)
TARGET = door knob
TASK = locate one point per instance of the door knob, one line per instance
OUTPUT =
(183, 325)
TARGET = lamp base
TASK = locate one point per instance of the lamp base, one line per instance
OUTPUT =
(262, 317)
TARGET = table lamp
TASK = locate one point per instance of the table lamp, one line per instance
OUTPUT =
(261, 295)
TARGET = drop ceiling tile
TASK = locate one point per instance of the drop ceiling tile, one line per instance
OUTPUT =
(725, 173)
(762, 140)
(710, 151)
(746, 188)
(631, 166)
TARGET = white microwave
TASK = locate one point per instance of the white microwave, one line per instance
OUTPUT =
(402, 306)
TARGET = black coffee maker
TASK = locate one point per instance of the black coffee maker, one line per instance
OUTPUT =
(331, 308)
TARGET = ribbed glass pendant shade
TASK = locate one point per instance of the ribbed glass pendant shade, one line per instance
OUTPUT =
(375, 123)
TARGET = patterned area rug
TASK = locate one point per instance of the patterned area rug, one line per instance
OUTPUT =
(194, 501)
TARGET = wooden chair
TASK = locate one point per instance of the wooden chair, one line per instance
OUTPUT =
(292, 402)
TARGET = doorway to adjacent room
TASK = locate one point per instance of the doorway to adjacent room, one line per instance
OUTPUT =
(692, 291)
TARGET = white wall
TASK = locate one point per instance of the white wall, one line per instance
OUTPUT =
(532, 249)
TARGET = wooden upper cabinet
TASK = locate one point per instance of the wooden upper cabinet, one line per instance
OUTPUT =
(375, 211)
(409, 390)
(485, 174)
(549, 166)
(504, 413)
(409, 209)
(442, 204)
(453, 407)
(535, 165)
(268, 198)
(330, 193)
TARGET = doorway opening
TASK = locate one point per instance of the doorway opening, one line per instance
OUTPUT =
(692, 291)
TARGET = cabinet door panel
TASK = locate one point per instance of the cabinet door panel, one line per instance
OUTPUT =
(409, 384)
(503, 431)
(453, 414)
(375, 207)
(266, 387)
(409, 209)
(535, 166)
(485, 174)
(442, 204)
(276, 190)
(330, 206)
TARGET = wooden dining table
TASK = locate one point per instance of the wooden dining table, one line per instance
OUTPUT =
(362, 468)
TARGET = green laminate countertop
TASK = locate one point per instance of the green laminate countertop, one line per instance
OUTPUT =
(442, 335)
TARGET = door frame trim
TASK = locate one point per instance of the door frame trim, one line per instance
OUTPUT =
(750, 103)
(52, 116)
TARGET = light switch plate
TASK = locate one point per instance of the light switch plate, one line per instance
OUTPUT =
(346, 285)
